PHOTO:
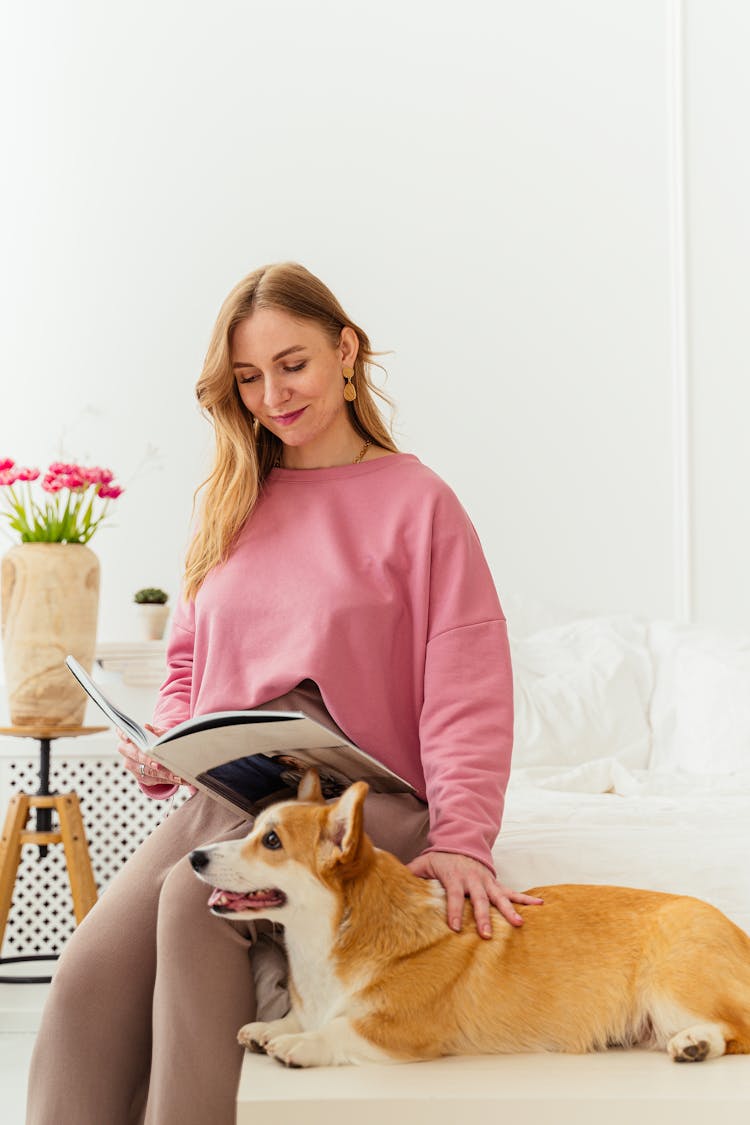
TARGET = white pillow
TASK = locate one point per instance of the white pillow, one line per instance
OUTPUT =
(701, 707)
(581, 692)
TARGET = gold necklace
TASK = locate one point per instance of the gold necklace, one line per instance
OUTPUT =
(277, 463)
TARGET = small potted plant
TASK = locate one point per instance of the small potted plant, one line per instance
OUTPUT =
(153, 611)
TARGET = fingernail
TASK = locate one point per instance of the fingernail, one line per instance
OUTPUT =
(486, 931)
(455, 924)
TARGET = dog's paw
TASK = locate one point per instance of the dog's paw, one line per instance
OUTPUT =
(696, 1044)
(256, 1036)
(251, 1036)
(298, 1050)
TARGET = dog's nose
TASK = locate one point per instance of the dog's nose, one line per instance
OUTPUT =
(199, 859)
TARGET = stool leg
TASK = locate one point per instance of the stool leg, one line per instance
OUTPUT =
(10, 853)
(43, 814)
(82, 884)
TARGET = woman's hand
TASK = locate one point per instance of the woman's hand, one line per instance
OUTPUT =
(152, 773)
(464, 877)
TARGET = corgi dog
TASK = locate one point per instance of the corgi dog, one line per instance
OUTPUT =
(377, 975)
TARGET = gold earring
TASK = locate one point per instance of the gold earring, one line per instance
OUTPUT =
(350, 391)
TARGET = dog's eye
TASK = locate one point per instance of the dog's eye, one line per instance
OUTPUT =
(271, 840)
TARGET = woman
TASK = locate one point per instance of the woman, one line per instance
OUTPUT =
(330, 571)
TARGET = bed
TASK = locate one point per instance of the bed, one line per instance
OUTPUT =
(631, 763)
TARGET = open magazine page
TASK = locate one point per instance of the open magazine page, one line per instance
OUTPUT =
(249, 764)
(135, 732)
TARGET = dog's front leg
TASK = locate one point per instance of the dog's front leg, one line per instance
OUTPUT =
(335, 1044)
(255, 1036)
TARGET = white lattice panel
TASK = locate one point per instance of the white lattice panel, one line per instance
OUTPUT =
(117, 817)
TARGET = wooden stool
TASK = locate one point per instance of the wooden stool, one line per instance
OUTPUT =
(70, 834)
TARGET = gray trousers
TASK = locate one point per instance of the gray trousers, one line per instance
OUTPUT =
(140, 1024)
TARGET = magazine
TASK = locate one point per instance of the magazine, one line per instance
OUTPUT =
(250, 759)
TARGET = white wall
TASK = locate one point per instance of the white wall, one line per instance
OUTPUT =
(488, 188)
(718, 182)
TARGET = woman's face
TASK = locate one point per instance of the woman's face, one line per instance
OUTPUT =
(289, 375)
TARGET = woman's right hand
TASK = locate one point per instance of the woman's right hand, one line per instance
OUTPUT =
(153, 773)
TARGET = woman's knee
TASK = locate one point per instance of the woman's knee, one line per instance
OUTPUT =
(182, 895)
(184, 915)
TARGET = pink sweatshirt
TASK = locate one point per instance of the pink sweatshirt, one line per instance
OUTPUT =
(370, 580)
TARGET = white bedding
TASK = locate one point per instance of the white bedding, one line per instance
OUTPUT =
(662, 831)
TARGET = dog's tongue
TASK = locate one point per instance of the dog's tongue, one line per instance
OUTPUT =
(233, 900)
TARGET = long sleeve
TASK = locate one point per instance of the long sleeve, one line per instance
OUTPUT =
(466, 722)
(175, 694)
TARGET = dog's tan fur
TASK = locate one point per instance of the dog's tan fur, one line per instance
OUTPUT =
(593, 967)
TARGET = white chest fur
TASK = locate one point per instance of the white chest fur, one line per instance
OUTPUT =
(309, 937)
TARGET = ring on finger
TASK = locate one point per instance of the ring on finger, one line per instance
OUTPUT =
(142, 770)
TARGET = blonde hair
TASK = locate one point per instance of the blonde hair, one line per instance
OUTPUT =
(245, 451)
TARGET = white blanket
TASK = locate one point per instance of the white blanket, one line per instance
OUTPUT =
(603, 823)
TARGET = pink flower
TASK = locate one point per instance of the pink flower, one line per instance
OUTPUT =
(73, 481)
(109, 492)
(95, 475)
(51, 484)
(12, 473)
(6, 463)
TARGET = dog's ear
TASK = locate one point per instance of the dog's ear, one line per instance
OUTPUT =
(346, 822)
(309, 787)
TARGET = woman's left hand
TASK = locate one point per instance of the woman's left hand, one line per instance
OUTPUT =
(464, 877)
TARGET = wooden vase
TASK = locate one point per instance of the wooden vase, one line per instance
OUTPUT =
(50, 602)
